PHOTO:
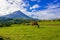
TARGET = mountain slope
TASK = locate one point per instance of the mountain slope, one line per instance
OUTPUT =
(17, 14)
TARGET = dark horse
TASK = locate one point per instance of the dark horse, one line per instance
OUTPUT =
(35, 23)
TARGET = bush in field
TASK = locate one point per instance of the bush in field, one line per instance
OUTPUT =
(7, 23)
(1, 25)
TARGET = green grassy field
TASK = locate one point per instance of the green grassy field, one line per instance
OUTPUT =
(47, 31)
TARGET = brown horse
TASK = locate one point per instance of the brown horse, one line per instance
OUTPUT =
(35, 23)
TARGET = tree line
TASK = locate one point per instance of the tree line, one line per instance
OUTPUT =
(6, 22)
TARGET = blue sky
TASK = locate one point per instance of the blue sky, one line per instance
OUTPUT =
(40, 9)
(41, 3)
(43, 9)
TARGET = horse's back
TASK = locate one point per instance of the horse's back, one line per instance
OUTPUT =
(35, 23)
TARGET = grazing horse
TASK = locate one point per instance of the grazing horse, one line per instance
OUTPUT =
(35, 23)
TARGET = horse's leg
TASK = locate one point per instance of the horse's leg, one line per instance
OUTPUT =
(38, 26)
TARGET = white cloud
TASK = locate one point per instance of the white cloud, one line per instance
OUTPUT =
(3, 4)
(52, 6)
(25, 5)
(49, 14)
(36, 0)
(34, 6)
(7, 8)
(33, 0)
(55, 1)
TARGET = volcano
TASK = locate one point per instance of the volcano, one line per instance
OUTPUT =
(17, 14)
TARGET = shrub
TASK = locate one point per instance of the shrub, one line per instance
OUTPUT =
(1, 25)
(8, 24)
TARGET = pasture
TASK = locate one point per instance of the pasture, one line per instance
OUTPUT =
(47, 31)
